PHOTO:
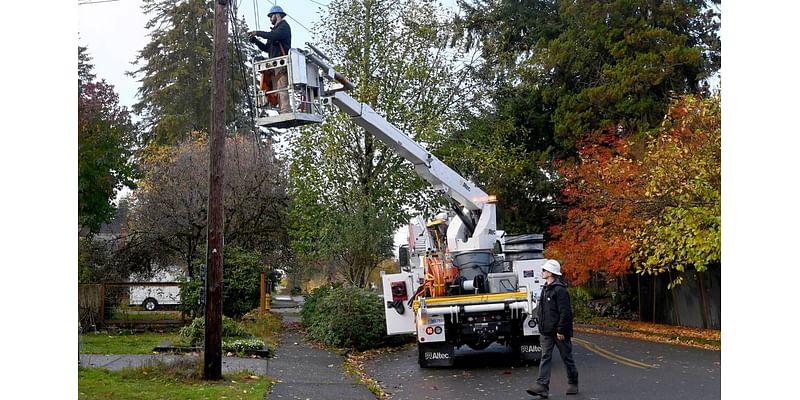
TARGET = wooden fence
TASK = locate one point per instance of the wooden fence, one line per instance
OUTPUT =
(103, 305)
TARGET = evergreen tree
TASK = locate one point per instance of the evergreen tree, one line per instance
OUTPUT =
(554, 72)
(586, 64)
(176, 67)
(85, 67)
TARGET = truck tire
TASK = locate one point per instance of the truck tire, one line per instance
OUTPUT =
(150, 304)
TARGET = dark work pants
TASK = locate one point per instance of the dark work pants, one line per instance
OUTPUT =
(565, 349)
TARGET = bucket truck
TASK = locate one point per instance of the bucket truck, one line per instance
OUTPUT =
(462, 282)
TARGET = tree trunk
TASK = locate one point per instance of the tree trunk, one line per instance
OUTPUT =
(654, 298)
(703, 306)
(675, 312)
(639, 293)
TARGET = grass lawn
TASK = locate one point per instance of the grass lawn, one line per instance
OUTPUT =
(125, 342)
(177, 381)
(157, 384)
(266, 327)
(133, 315)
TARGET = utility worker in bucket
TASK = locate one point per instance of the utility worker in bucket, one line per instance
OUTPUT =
(555, 328)
(279, 41)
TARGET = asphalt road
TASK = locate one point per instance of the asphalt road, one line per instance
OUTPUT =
(612, 368)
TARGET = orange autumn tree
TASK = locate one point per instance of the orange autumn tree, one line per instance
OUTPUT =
(602, 188)
(655, 206)
(683, 175)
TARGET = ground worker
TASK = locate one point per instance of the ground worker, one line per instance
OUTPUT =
(555, 329)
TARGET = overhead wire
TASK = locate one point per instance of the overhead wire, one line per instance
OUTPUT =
(255, 14)
(275, 3)
(81, 3)
(316, 2)
(238, 47)
(298, 23)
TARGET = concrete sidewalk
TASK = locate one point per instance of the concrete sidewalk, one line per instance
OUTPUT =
(305, 372)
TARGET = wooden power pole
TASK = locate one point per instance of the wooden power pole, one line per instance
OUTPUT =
(212, 362)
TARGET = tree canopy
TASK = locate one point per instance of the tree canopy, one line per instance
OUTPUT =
(591, 63)
(651, 206)
(684, 185)
(106, 146)
(554, 73)
(169, 211)
(350, 191)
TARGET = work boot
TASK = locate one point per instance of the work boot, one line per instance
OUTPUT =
(538, 390)
(572, 389)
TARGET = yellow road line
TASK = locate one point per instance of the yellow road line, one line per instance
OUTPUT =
(611, 356)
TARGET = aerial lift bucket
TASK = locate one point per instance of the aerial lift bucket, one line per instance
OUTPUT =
(302, 87)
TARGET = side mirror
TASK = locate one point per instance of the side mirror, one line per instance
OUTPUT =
(404, 256)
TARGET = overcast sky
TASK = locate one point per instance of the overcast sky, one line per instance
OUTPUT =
(114, 32)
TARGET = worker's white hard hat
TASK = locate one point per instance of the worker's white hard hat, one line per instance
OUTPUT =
(552, 266)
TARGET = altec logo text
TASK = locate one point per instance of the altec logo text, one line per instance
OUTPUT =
(434, 355)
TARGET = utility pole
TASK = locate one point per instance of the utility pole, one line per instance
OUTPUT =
(212, 361)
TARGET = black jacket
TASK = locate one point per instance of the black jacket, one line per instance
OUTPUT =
(555, 310)
(280, 34)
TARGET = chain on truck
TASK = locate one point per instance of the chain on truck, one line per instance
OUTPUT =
(462, 281)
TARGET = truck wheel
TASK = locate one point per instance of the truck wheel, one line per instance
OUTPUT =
(150, 304)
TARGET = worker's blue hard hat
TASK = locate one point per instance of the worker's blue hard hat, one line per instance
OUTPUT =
(274, 10)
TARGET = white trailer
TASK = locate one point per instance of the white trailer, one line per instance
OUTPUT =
(152, 296)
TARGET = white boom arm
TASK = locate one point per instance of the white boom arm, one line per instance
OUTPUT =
(427, 165)
(304, 70)
(433, 170)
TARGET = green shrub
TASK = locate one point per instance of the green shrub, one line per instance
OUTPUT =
(582, 310)
(598, 293)
(195, 331)
(273, 279)
(621, 306)
(190, 296)
(345, 316)
(241, 284)
(309, 310)
(242, 346)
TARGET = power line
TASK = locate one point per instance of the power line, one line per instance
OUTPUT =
(275, 3)
(237, 46)
(298, 23)
(316, 2)
(81, 3)
(255, 12)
